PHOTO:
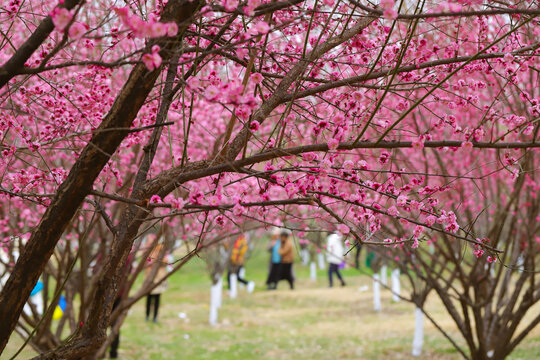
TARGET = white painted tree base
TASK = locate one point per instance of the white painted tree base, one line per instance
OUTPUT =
(233, 292)
(321, 262)
(376, 293)
(384, 277)
(220, 291)
(418, 340)
(4, 260)
(215, 299)
(313, 271)
(37, 300)
(3, 280)
(520, 263)
(396, 288)
(304, 254)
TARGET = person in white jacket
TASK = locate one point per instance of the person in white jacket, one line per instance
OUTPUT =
(334, 256)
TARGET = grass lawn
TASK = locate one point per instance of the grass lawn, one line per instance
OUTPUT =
(311, 322)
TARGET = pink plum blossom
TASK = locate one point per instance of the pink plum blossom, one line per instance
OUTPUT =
(393, 211)
(310, 156)
(211, 92)
(385, 156)
(214, 201)
(77, 30)
(256, 78)
(430, 220)
(238, 210)
(291, 189)
(388, 9)
(343, 229)
(172, 29)
(348, 165)
(262, 27)
(478, 253)
(152, 60)
(230, 5)
(178, 203)
(254, 126)
(61, 17)
(333, 144)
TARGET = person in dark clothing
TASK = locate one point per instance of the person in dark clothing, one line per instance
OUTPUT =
(275, 260)
(334, 257)
(113, 353)
(155, 294)
(122, 293)
(152, 299)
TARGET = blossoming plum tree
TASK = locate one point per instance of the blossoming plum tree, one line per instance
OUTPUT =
(486, 294)
(199, 116)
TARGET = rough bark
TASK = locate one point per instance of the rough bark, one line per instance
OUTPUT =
(16, 63)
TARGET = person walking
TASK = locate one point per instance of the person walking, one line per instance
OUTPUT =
(334, 256)
(155, 294)
(236, 263)
(122, 293)
(286, 251)
(275, 260)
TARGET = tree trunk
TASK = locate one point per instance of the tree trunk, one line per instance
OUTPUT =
(233, 283)
(376, 293)
(220, 292)
(396, 288)
(384, 275)
(215, 302)
(305, 256)
(16, 63)
(418, 340)
(313, 271)
(69, 197)
(320, 259)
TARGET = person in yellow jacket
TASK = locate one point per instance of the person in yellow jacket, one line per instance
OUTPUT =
(236, 262)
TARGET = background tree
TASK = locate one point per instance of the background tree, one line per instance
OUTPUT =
(487, 294)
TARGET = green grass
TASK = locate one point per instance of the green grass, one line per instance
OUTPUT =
(311, 322)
